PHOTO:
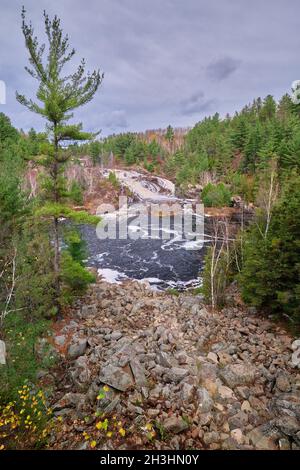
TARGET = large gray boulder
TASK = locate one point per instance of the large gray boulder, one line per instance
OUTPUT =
(116, 377)
(234, 375)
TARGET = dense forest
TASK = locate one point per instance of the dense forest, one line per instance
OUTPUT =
(255, 155)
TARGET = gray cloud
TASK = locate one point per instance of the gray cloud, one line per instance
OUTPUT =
(116, 120)
(222, 68)
(196, 103)
(158, 55)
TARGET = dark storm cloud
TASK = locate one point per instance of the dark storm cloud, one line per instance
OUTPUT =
(196, 104)
(158, 55)
(222, 68)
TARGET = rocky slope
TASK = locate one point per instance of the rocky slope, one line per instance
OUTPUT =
(178, 375)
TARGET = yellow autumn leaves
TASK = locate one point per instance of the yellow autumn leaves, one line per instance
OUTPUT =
(108, 427)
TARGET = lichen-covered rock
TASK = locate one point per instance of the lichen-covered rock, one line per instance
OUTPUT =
(234, 375)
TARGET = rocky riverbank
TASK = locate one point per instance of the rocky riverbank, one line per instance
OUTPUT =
(175, 375)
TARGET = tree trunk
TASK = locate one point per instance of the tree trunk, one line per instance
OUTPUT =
(57, 285)
(57, 266)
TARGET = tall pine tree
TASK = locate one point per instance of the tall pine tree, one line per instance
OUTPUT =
(58, 96)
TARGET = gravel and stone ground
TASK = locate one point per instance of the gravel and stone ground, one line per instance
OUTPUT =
(178, 376)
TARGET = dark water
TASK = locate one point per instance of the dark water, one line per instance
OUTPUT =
(163, 263)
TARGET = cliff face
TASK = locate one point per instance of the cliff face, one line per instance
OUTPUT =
(83, 172)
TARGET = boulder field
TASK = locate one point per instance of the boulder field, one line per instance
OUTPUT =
(199, 379)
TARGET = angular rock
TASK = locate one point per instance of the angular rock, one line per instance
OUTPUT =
(296, 358)
(288, 425)
(109, 402)
(60, 340)
(176, 374)
(211, 437)
(261, 440)
(239, 420)
(212, 357)
(70, 400)
(182, 358)
(165, 360)
(246, 407)
(225, 393)
(205, 402)
(296, 344)
(284, 444)
(175, 424)
(224, 358)
(286, 404)
(116, 335)
(138, 372)
(283, 383)
(77, 349)
(153, 413)
(237, 435)
(116, 377)
(187, 392)
(237, 374)
(205, 419)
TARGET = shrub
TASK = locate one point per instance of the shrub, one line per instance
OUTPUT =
(149, 166)
(242, 185)
(112, 178)
(76, 193)
(75, 277)
(22, 363)
(216, 195)
(214, 285)
(35, 281)
(25, 422)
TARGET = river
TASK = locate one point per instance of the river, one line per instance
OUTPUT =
(165, 259)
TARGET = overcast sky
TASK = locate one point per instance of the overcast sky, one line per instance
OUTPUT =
(165, 61)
